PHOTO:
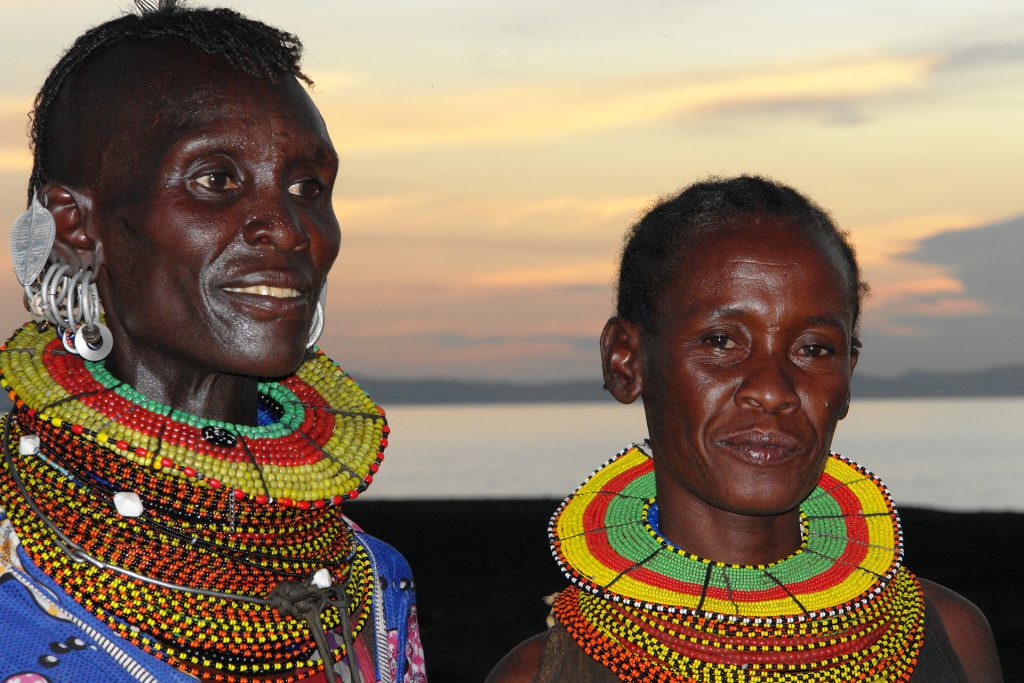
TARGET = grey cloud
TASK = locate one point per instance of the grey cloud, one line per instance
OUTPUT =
(983, 55)
(986, 260)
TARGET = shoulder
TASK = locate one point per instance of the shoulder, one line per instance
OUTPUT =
(968, 630)
(521, 663)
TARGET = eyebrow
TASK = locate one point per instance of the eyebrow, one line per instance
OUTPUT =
(732, 311)
(825, 320)
(728, 312)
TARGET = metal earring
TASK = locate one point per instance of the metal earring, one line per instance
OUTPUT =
(93, 340)
(316, 327)
(32, 235)
(52, 292)
(70, 312)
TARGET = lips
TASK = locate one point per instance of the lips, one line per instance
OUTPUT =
(764, 448)
(266, 290)
(274, 293)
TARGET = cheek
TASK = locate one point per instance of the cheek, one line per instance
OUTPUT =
(325, 249)
(711, 390)
(825, 404)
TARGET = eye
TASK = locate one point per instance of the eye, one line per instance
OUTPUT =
(719, 341)
(817, 350)
(306, 189)
(216, 181)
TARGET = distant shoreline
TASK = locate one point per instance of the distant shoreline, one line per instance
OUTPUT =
(991, 382)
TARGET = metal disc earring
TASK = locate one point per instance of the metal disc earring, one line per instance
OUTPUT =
(93, 340)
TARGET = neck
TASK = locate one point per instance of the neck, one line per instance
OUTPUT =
(197, 391)
(701, 529)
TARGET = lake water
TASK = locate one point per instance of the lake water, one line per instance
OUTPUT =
(954, 454)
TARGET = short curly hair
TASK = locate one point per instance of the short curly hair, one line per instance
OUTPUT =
(656, 245)
(248, 45)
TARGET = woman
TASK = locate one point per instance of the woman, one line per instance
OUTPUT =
(730, 546)
(173, 470)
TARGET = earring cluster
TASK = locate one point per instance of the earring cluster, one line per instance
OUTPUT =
(54, 291)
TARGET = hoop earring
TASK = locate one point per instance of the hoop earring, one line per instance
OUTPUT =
(93, 341)
(52, 291)
(316, 327)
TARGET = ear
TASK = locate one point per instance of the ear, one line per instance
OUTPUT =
(854, 357)
(621, 359)
(74, 242)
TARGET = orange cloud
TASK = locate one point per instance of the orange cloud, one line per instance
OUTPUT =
(894, 293)
(595, 273)
(499, 116)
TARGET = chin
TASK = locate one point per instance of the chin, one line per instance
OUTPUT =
(269, 360)
(759, 498)
(759, 507)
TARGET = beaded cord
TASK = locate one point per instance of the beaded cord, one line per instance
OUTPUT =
(188, 579)
(840, 608)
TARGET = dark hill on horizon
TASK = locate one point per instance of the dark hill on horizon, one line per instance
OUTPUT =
(998, 381)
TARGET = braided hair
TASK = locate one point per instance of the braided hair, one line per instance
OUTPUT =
(656, 246)
(248, 45)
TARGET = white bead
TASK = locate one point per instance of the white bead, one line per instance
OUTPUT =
(128, 504)
(322, 578)
(28, 444)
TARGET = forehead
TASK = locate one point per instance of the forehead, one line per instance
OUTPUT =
(769, 258)
(182, 87)
(135, 101)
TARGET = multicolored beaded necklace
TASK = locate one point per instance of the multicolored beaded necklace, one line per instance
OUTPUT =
(324, 444)
(840, 608)
(227, 512)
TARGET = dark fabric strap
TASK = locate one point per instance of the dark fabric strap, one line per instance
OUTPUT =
(938, 662)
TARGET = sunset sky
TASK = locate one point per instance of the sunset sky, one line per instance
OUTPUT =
(493, 153)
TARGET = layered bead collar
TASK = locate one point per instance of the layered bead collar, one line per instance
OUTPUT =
(841, 605)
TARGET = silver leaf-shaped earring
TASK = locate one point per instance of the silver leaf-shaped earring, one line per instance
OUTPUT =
(32, 236)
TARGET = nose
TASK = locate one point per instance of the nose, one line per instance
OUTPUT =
(274, 222)
(767, 384)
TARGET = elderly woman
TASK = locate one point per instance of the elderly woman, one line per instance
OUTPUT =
(174, 467)
(731, 546)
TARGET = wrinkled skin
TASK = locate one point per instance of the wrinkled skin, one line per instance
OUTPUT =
(214, 181)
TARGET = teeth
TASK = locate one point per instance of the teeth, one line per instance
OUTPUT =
(263, 290)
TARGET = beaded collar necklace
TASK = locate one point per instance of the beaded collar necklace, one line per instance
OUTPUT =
(325, 446)
(190, 575)
(841, 607)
